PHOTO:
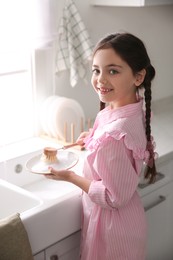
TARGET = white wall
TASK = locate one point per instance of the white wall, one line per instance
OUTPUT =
(154, 25)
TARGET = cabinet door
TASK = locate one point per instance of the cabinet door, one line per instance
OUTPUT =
(159, 212)
(66, 249)
(130, 2)
(39, 256)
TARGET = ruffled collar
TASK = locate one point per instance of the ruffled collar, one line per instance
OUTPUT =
(109, 115)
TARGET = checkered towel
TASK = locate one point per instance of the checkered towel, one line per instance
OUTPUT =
(74, 47)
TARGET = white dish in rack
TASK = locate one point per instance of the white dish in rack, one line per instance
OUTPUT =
(59, 114)
(68, 111)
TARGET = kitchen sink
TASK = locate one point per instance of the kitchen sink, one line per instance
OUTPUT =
(15, 199)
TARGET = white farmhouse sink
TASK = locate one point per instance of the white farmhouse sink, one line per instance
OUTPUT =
(22, 191)
(14, 199)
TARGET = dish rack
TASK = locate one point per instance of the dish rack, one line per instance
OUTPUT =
(63, 119)
(84, 126)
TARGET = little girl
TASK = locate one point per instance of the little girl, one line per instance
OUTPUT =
(114, 224)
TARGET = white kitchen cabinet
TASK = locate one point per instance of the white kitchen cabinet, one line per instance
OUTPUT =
(66, 249)
(159, 211)
(166, 166)
(130, 2)
(39, 256)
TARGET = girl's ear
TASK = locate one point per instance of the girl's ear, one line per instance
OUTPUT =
(140, 77)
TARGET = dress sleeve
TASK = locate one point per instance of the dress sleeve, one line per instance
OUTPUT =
(118, 178)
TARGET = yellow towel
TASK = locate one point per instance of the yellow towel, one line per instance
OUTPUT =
(74, 46)
(14, 242)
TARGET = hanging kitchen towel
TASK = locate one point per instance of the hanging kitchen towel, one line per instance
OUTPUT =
(74, 46)
(14, 242)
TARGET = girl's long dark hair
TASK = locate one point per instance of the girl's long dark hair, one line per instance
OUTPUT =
(132, 50)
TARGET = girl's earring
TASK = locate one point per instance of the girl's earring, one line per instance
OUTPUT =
(137, 94)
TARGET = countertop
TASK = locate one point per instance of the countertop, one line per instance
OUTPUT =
(162, 125)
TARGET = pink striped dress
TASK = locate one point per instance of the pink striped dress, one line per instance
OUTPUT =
(114, 223)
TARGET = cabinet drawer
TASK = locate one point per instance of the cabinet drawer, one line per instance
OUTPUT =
(39, 256)
(159, 212)
(66, 249)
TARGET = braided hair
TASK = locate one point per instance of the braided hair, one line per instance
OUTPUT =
(132, 50)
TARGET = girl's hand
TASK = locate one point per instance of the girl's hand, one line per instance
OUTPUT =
(62, 175)
(80, 140)
(69, 176)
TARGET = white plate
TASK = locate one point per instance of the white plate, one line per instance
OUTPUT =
(66, 160)
(68, 111)
(51, 116)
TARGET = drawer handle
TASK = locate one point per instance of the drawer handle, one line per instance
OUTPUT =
(54, 257)
(160, 200)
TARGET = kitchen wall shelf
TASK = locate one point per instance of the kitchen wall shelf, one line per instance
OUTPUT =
(128, 3)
